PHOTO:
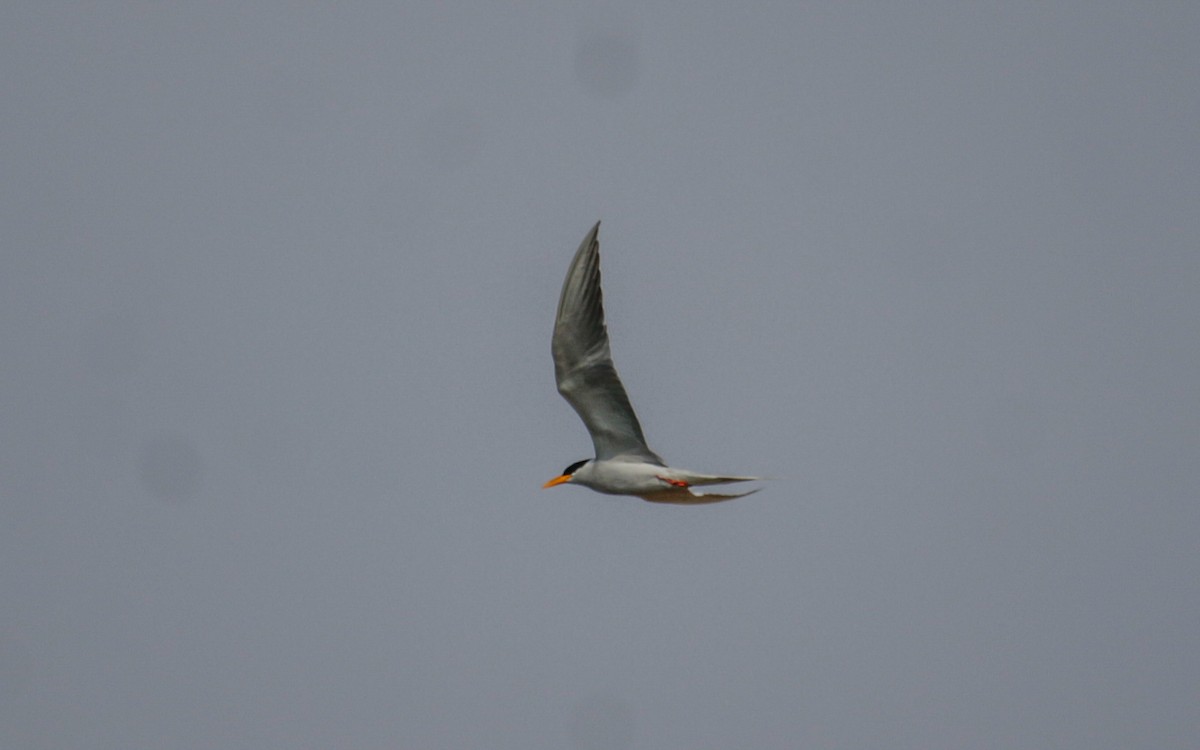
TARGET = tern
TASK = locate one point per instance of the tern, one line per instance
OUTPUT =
(587, 379)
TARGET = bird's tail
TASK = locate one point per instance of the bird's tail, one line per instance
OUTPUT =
(700, 480)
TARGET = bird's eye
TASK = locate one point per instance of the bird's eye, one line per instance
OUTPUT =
(574, 467)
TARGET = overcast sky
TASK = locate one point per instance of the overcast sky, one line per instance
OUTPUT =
(277, 283)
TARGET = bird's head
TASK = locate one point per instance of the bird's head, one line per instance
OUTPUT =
(567, 475)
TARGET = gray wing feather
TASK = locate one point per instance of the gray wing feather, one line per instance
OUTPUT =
(583, 365)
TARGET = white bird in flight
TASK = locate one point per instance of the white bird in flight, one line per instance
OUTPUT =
(587, 379)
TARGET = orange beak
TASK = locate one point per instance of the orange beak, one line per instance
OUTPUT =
(557, 480)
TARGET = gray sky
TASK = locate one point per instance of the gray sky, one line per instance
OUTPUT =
(276, 397)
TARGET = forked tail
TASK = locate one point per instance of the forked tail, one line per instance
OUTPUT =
(700, 480)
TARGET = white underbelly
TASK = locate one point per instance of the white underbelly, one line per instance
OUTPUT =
(617, 478)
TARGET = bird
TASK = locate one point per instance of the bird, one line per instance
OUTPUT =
(587, 379)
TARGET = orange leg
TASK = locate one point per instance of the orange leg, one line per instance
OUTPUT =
(674, 482)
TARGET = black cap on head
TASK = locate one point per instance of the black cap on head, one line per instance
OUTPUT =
(573, 467)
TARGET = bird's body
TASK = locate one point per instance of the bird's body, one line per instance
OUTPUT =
(587, 379)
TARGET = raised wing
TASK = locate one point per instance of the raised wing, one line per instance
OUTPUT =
(583, 365)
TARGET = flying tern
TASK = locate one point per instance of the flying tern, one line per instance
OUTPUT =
(587, 379)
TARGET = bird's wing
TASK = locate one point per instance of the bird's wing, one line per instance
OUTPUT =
(583, 365)
(686, 496)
